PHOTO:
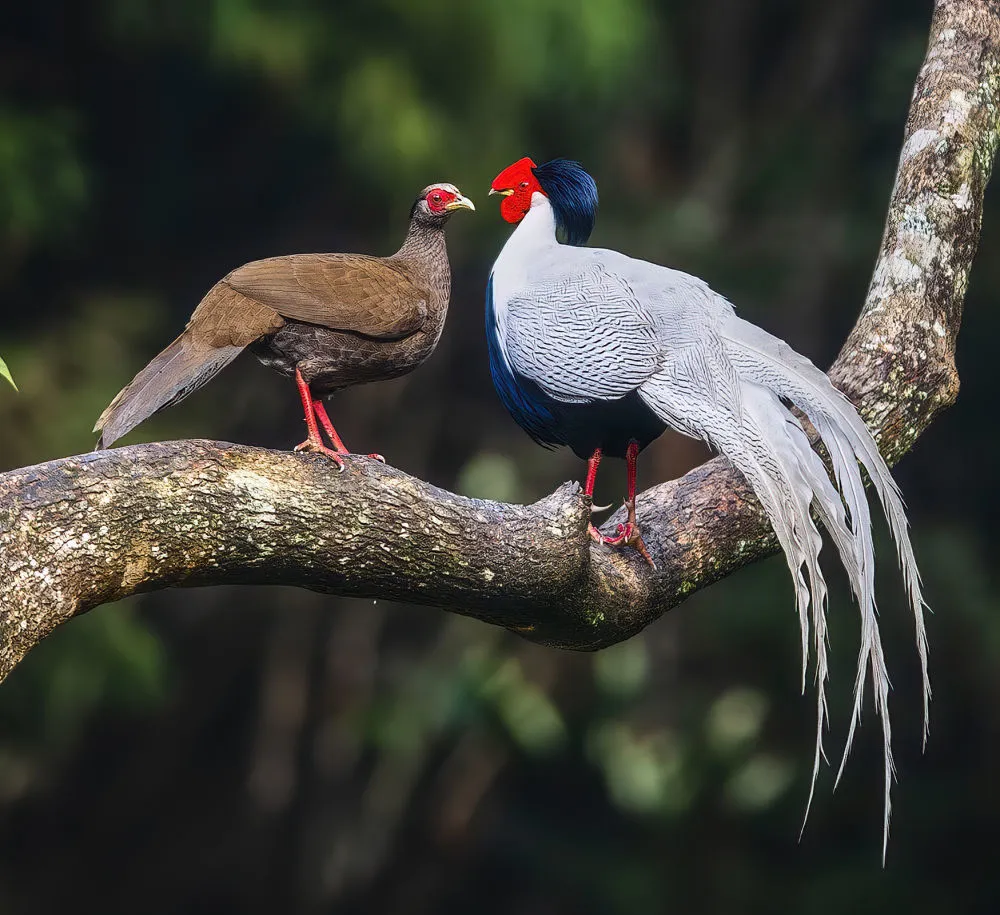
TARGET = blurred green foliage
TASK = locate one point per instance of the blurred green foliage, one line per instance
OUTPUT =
(42, 180)
(262, 750)
(111, 661)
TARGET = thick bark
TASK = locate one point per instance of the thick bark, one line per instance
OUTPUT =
(81, 531)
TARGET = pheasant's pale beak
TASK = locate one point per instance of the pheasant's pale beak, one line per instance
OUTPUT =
(460, 203)
(506, 192)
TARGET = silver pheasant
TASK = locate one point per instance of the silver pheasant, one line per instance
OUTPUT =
(599, 351)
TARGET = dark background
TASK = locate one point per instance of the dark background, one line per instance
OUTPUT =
(272, 750)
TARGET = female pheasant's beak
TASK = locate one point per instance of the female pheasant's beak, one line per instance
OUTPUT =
(460, 203)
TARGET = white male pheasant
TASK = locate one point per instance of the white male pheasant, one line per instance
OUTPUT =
(601, 352)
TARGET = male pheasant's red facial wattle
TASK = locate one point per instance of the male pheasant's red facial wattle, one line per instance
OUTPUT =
(438, 199)
(516, 184)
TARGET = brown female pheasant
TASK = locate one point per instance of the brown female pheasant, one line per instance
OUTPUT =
(328, 320)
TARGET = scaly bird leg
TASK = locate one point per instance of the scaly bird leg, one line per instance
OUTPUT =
(320, 410)
(628, 533)
(338, 442)
(588, 490)
(313, 442)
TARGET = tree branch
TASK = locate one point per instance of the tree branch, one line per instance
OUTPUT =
(81, 531)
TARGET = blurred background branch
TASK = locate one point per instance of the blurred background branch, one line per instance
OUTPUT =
(271, 749)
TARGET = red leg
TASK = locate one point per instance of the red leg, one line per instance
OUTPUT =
(338, 442)
(313, 442)
(631, 457)
(324, 420)
(628, 533)
(592, 465)
(588, 489)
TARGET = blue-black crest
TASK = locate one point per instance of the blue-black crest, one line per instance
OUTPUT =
(573, 195)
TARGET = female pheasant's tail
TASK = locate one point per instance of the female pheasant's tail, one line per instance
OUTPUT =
(180, 369)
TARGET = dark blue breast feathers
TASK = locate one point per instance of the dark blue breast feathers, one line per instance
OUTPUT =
(606, 424)
(522, 399)
(573, 195)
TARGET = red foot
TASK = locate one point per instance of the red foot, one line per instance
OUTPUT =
(377, 457)
(315, 446)
(627, 535)
(622, 534)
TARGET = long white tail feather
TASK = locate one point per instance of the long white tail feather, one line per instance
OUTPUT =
(768, 445)
(755, 352)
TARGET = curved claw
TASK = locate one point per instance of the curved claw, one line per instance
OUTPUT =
(311, 447)
(375, 456)
(617, 540)
(628, 534)
(623, 533)
(599, 508)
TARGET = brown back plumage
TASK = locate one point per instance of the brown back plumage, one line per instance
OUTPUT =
(367, 295)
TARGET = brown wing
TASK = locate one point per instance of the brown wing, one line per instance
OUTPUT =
(226, 317)
(351, 292)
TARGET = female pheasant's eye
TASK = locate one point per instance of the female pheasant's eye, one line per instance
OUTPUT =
(436, 198)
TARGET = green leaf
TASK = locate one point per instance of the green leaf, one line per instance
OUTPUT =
(5, 372)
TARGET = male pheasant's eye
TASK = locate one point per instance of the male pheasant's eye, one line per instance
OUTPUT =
(524, 184)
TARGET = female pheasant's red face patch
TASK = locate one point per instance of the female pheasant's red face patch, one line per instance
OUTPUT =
(516, 184)
(438, 199)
